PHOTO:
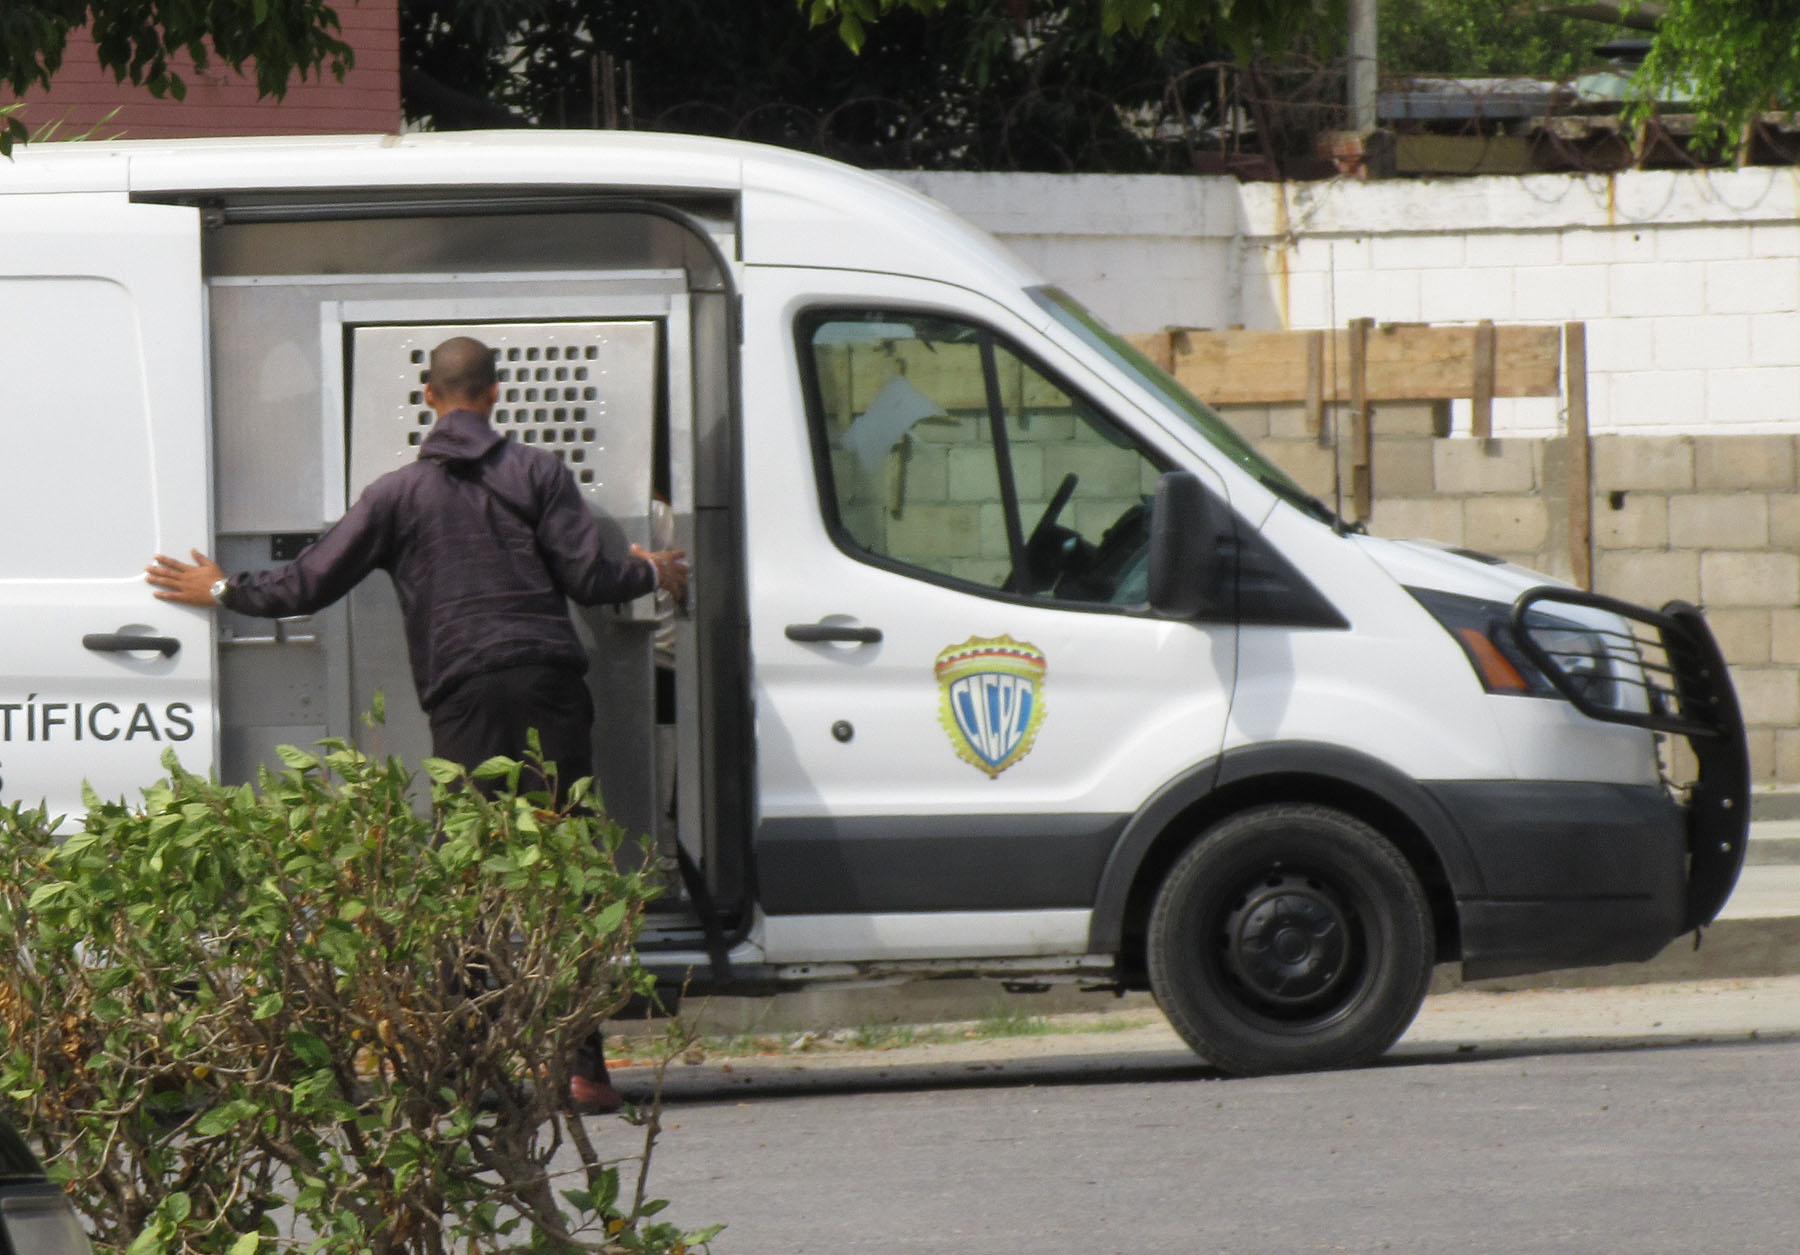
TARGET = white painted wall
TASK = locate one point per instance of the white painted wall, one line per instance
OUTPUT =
(1143, 251)
(1689, 281)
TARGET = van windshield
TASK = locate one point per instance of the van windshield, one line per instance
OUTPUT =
(1201, 417)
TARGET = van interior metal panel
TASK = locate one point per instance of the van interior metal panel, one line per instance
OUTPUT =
(583, 390)
(320, 331)
(395, 237)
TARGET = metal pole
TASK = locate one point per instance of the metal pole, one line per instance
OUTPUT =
(1361, 76)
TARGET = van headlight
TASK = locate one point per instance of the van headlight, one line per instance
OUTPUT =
(1480, 627)
(1599, 664)
(1580, 653)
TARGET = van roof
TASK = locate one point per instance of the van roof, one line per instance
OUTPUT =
(794, 209)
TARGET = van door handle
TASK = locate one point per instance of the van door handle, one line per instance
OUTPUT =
(125, 643)
(812, 633)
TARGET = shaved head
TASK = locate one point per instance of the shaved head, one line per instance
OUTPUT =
(462, 373)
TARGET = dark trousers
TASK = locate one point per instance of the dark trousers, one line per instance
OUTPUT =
(489, 715)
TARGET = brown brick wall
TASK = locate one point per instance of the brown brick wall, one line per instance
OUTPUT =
(219, 102)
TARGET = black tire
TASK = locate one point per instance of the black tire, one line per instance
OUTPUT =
(1288, 939)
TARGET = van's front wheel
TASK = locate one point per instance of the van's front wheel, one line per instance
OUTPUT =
(1290, 938)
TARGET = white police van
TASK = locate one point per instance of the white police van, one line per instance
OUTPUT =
(1004, 656)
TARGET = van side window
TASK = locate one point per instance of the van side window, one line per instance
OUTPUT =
(946, 451)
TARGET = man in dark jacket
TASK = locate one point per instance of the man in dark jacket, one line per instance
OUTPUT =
(485, 540)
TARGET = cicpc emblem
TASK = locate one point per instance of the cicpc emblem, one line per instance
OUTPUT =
(991, 699)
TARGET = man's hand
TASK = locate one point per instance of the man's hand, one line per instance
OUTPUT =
(189, 584)
(671, 568)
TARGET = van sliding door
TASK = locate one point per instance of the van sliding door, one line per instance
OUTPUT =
(104, 441)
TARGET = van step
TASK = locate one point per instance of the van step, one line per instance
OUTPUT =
(671, 930)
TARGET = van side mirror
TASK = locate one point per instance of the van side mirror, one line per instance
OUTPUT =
(1185, 560)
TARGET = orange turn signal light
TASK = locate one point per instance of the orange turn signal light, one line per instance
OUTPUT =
(1497, 674)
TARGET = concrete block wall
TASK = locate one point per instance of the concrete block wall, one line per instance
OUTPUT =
(940, 505)
(1713, 520)
(933, 498)
(1507, 496)
(1689, 281)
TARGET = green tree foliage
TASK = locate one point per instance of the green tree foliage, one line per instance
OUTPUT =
(1480, 37)
(311, 1003)
(973, 86)
(139, 40)
(1245, 26)
(943, 63)
(1731, 59)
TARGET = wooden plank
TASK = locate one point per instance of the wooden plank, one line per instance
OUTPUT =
(1362, 441)
(1481, 410)
(1405, 362)
(1242, 367)
(1159, 348)
(1581, 464)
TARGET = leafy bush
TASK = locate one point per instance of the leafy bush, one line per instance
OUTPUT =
(307, 1003)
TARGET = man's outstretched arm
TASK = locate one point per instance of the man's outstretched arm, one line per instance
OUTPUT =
(569, 539)
(191, 584)
(327, 569)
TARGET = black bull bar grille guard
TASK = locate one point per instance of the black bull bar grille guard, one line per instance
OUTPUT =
(1672, 660)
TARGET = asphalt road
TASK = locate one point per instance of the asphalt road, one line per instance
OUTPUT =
(1651, 1120)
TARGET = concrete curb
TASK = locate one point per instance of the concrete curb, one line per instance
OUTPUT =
(1077, 1048)
(1759, 935)
(1730, 949)
(945, 1001)
(1776, 803)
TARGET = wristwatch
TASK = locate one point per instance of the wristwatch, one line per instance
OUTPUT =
(218, 590)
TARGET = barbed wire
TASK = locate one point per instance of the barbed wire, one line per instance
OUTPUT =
(1272, 120)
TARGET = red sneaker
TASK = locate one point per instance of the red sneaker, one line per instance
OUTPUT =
(593, 1098)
